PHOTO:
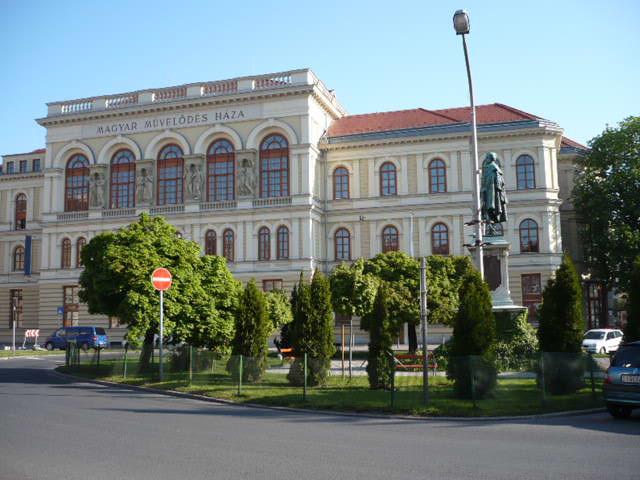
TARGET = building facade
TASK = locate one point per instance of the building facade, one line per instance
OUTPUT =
(271, 172)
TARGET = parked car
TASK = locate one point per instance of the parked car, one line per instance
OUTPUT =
(86, 337)
(622, 383)
(602, 340)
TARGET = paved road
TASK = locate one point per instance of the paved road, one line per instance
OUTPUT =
(53, 428)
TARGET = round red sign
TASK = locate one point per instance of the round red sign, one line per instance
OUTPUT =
(161, 279)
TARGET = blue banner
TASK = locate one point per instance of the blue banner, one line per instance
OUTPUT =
(27, 255)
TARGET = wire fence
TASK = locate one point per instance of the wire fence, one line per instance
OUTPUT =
(452, 386)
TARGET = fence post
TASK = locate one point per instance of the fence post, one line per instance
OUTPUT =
(393, 380)
(473, 383)
(543, 383)
(124, 370)
(240, 377)
(593, 384)
(190, 364)
(304, 391)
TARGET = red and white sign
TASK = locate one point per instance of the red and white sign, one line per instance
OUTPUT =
(161, 279)
(32, 333)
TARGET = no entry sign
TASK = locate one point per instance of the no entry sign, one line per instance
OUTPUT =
(161, 279)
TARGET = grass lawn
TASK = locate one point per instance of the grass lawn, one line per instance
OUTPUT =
(29, 353)
(514, 396)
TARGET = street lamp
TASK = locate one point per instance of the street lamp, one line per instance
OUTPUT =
(462, 27)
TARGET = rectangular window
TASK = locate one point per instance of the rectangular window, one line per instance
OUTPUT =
(532, 294)
(23, 166)
(269, 285)
(15, 312)
(36, 165)
(10, 167)
(71, 304)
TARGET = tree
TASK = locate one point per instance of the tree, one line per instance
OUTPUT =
(352, 290)
(253, 328)
(560, 331)
(312, 331)
(632, 329)
(607, 200)
(278, 308)
(116, 281)
(471, 364)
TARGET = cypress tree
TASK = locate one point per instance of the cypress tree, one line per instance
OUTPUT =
(252, 332)
(632, 329)
(471, 365)
(560, 331)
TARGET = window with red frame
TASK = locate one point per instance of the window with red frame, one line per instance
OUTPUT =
(342, 242)
(66, 254)
(388, 180)
(81, 242)
(220, 171)
(340, 183)
(274, 167)
(264, 244)
(21, 212)
(228, 244)
(525, 172)
(437, 176)
(76, 196)
(170, 175)
(528, 236)
(18, 259)
(282, 243)
(15, 307)
(271, 284)
(390, 239)
(440, 239)
(123, 179)
(210, 242)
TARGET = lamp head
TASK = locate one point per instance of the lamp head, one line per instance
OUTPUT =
(461, 22)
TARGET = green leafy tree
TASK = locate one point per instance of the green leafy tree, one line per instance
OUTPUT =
(116, 281)
(312, 330)
(632, 329)
(352, 290)
(560, 331)
(278, 308)
(253, 328)
(607, 200)
(471, 363)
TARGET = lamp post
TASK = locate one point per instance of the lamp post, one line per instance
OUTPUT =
(462, 27)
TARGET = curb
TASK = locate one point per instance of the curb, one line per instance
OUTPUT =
(194, 396)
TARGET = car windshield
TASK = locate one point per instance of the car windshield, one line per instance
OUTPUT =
(627, 357)
(594, 335)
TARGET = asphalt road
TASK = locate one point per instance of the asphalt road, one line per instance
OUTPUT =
(54, 428)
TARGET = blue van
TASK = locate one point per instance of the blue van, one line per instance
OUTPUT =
(94, 337)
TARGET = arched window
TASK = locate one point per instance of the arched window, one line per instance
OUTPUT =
(440, 239)
(66, 254)
(123, 180)
(210, 242)
(227, 244)
(342, 244)
(390, 239)
(282, 243)
(18, 259)
(170, 175)
(264, 244)
(21, 212)
(220, 171)
(528, 236)
(437, 176)
(76, 195)
(340, 183)
(525, 172)
(80, 243)
(274, 167)
(388, 180)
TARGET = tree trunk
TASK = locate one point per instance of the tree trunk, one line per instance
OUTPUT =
(147, 349)
(413, 337)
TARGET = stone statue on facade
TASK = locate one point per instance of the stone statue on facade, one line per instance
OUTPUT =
(492, 193)
(96, 190)
(144, 186)
(194, 179)
(247, 177)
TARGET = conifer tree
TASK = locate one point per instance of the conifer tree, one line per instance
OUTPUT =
(253, 327)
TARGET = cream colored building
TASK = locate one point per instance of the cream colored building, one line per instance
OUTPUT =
(271, 172)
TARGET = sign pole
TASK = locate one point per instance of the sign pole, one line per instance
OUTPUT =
(14, 310)
(161, 333)
(423, 318)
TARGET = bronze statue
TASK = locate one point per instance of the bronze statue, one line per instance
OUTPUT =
(492, 192)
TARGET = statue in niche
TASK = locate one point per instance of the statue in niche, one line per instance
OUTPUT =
(194, 178)
(96, 190)
(493, 193)
(144, 186)
(247, 184)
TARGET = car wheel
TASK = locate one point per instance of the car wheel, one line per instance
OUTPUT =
(619, 411)
(84, 346)
(603, 350)
(49, 346)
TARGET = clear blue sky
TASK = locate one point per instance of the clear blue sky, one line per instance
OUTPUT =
(574, 62)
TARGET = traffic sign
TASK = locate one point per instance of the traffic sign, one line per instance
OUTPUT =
(161, 279)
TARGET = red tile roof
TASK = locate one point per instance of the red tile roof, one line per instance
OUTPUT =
(570, 143)
(40, 150)
(419, 117)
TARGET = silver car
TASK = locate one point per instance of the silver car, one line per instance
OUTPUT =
(602, 340)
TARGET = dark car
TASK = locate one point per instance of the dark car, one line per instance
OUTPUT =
(86, 337)
(622, 383)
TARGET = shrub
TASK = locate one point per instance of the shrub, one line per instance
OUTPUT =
(517, 342)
